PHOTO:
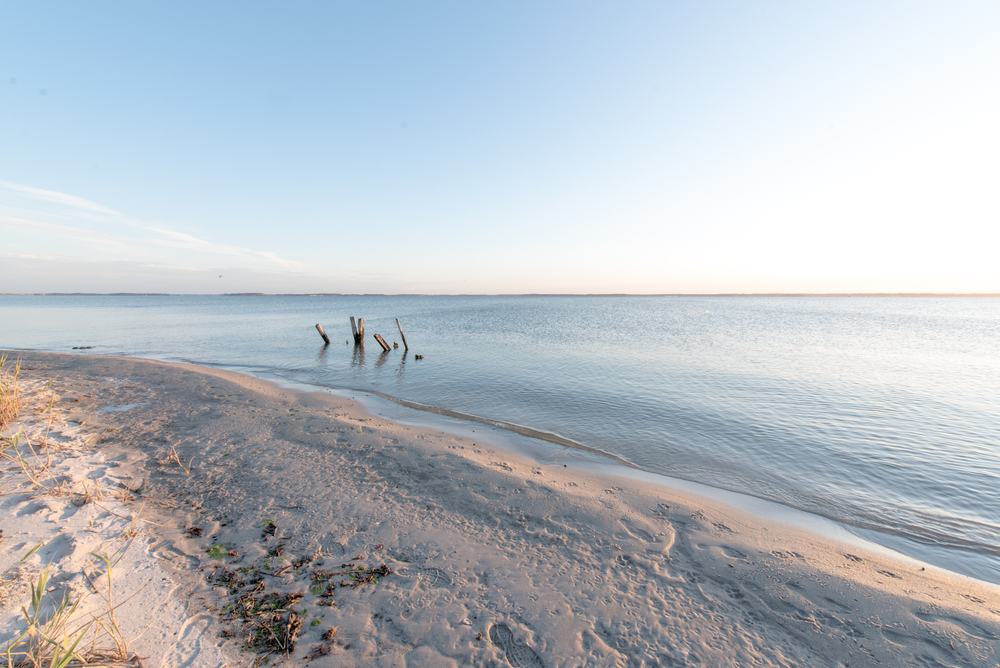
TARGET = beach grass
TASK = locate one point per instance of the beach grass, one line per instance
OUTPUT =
(55, 630)
(46, 639)
(35, 462)
(58, 629)
(172, 456)
(55, 636)
(10, 395)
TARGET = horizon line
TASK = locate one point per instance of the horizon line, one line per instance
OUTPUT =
(503, 294)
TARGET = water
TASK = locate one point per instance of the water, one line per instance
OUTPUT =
(882, 414)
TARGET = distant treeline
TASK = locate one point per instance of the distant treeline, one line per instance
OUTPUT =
(86, 294)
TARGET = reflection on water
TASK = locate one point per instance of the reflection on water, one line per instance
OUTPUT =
(358, 358)
(401, 369)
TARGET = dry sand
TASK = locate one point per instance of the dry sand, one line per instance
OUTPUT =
(422, 548)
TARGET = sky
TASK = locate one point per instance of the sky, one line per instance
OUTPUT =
(500, 147)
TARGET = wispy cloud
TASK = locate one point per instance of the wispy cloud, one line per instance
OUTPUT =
(59, 198)
(288, 264)
(104, 231)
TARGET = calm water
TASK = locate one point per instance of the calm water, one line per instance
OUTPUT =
(880, 413)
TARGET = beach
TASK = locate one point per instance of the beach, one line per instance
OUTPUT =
(265, 517)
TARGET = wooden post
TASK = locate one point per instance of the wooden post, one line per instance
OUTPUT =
(405, 346)
(381, 342)
(358, 330)
(326, 338)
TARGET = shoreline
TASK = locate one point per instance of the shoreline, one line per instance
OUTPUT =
(894, 444)
(557, 564)
(539, 445)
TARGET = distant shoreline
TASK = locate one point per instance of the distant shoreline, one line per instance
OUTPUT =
(527, 294)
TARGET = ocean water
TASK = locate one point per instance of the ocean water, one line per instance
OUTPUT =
(882, 414)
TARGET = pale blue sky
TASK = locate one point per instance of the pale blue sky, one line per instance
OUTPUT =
(500, 147)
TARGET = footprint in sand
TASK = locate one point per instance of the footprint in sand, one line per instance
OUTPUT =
(732, 552)
(518, 655)
(435, 577)
(634, 532)
(735, 593)
(964, 624)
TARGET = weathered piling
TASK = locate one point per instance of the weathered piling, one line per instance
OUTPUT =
(326, 339)
(381, 342)
(358, 330)
(405, 346)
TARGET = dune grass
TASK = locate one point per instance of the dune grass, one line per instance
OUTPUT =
(10, 395)
(55, 636)
(54, 630)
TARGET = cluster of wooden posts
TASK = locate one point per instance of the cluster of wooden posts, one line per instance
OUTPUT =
(358, 330)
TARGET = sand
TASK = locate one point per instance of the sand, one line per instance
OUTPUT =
(383, 544)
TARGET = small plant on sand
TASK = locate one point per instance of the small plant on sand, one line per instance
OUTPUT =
(10, 395)
(20, 450)
(131, 529)
(53, 634)
(106, 623)
(10, 577)
(362, 576)
(34, 459)
(172, 456)
(46, 639)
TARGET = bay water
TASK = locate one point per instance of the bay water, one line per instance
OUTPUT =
(879, 413)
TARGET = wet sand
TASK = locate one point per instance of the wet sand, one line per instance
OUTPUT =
(296, 513)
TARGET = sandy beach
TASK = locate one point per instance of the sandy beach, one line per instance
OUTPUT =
(252, 524)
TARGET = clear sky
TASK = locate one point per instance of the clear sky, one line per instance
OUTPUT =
(500, 147)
